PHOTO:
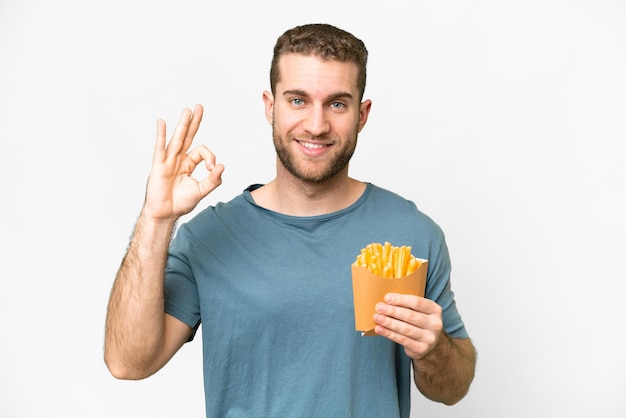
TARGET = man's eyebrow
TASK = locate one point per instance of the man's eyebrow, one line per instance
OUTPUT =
(334, 96)
(294, 93)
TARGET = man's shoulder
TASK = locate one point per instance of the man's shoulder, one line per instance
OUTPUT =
(391, 200)
(219, 213)
(396, 205)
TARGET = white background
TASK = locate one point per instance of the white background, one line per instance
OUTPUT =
(504, 121)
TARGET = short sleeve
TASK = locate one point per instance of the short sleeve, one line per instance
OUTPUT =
(180, 290)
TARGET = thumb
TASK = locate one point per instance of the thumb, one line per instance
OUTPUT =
(213, 180)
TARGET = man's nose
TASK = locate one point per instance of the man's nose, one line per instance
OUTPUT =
(316, 121)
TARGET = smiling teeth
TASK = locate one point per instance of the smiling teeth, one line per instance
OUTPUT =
(312, 146)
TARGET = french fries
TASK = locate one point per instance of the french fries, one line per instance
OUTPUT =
(387, 260)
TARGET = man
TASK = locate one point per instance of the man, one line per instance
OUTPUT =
(267, 275)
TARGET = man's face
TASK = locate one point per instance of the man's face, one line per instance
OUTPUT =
(316, 116)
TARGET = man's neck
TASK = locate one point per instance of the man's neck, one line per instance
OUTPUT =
(294, 197)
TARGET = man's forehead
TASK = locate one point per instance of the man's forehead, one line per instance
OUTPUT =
(298, 71)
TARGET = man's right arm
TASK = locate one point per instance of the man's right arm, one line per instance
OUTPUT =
(139, 336)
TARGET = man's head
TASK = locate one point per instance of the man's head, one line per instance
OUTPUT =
(325, 42)
(315, 107)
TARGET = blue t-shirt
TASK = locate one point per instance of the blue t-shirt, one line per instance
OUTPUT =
(274, 296)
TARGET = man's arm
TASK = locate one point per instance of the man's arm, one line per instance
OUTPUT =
(443, 366)
(444, 374)
(139, 337)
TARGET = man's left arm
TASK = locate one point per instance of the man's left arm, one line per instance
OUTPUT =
(443, 366)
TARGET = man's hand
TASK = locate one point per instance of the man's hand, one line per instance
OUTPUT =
(415, 323)
(443, 366)
(172, 191)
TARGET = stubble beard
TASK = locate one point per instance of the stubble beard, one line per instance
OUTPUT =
(329, 166)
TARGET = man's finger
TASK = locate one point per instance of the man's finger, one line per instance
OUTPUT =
(413, 302)
(178, 137)
(159, 144)
(202, 153)
(212, 181)
(194, 124)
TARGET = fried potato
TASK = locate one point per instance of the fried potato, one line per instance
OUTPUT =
(387, 260)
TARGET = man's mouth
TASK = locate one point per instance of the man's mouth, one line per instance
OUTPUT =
(312, 145)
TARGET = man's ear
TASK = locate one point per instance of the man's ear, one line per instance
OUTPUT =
(364, 111)
(268, 100)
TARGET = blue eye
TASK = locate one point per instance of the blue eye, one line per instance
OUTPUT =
(297, 101)
(337, 105)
